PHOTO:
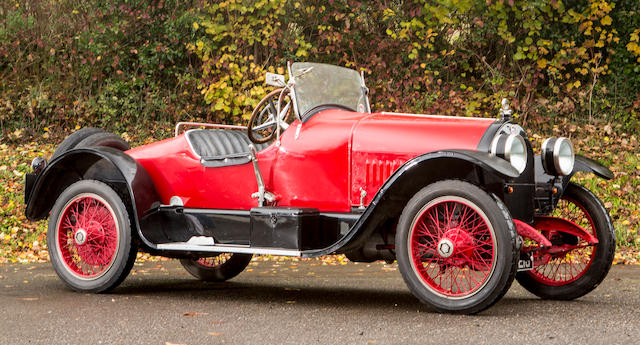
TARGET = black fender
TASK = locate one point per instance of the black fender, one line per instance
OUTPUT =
(589, 165)
(549, 188)
(476, 167)
(583, 163)
(109, 165)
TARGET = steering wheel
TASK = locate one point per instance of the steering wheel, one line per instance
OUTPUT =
(265, 119)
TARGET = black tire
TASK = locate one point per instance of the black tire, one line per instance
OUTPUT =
(73, 139)
(217, 268)
(475, 220)
(84, 221)
(600, 263)
(104, 139)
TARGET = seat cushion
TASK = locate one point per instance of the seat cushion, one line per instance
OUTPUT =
(221, 147)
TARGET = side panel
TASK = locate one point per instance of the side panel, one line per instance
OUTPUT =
(312, 164)
(176, 171)
(382, 143)
(490, 171)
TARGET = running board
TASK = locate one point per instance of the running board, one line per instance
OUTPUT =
(186, 247)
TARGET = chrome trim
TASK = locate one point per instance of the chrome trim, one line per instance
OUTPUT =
(494, 145)
(176, 201)
(229, 248)
(211, 125)
(508, 145)
(190, 144)
(218, 211)
(262, 194)
(366, 92)
(291, 85)
(556, 155)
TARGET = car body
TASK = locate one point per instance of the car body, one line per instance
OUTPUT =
(337, 179)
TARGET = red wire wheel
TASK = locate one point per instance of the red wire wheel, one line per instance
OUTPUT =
(568, 266)
(87, 236)
(572, 267)
(219, 268)
(456, 247)
(452, 247)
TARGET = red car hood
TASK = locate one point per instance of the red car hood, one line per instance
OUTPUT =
(415, 134)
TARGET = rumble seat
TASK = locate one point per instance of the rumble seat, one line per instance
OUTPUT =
(221, 147)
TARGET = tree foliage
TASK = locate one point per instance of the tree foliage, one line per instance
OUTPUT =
(122, 63)
(554, 58)
(109, 63)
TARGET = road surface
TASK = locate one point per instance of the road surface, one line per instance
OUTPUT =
(298, 303)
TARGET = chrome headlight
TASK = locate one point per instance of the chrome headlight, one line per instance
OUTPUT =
(511, 147)
(38, 164)
(558, 156)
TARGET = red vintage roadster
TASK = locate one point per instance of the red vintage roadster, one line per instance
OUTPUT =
(461, 203)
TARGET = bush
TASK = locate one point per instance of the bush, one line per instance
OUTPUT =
(576, 59)
(111, 63)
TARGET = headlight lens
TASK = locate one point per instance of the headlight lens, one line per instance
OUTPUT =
(557, 156)
(511, 147)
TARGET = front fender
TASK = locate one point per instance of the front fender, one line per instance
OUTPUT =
(106, 164)
(583, 163)
(476, 167)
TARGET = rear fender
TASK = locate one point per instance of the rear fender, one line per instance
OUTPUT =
(476, 167)
(111, 166)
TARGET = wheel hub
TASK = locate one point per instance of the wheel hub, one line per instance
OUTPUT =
(80, 236)
(456, 246)
(445, 248)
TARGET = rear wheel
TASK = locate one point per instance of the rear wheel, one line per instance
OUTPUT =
(580, 268)
(217, 268)
(89, 237)
(456, 247)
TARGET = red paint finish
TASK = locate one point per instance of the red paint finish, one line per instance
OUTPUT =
(381, 143)
(312, 170)
(322, 163)
(175, 170)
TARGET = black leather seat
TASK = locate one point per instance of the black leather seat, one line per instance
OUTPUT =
(221, 147)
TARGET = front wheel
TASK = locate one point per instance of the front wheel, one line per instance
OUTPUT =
(218, 268)
(89, 237)
(456, 247)
(578, 267)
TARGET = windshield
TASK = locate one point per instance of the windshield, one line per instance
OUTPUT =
(319, 84)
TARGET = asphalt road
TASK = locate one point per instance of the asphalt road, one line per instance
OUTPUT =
(298, 303)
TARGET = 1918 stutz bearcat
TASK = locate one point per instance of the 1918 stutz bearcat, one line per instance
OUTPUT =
(461, 203)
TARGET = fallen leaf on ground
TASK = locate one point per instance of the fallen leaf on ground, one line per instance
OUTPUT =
(215, 334)
(193, 313)
(29, 298)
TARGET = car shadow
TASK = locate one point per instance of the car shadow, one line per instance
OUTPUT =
(333, 297)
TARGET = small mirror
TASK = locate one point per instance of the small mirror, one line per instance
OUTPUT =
(274, 79)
